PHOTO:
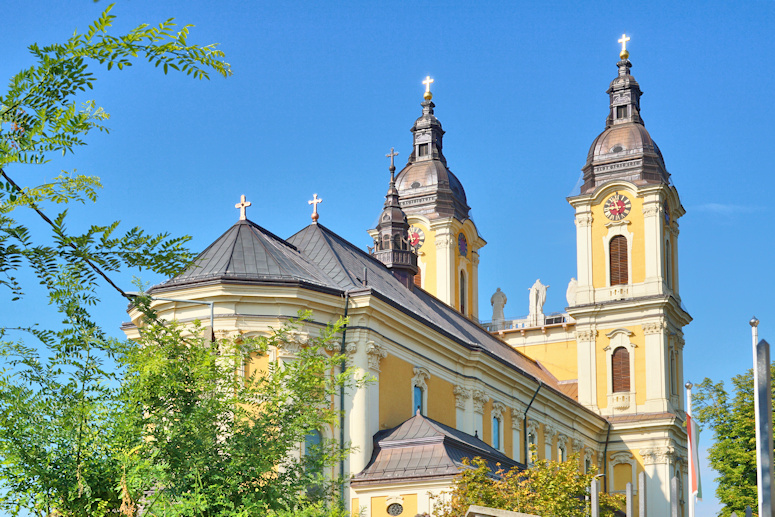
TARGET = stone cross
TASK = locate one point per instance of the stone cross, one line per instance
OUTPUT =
(624, 41)
(242, 205)
(392, 155)
(427, 82)
(315, 201)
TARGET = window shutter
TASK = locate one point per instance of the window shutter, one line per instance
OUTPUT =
(620, 367)
(618, 260)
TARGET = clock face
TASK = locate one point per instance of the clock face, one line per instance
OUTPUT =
(617, 207)
(416, 237)
(462, 245)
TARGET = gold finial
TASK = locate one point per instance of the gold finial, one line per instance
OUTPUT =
(624, 54)
(242, 205)
(427, 82)
(314, 202)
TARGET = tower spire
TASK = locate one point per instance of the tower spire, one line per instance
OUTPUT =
(391, 246)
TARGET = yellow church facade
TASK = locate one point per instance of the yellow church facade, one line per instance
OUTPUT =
(601, 379)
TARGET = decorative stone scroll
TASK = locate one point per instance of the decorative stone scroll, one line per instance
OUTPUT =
(577, 445)
(498, 410)
(549, 432)
(461, 396)
(293, 342)
(586, 334)
(480, 399)
(562, 441)
(583, 220)
(532, 427)
(375, 353)
(421, 375)
(651, 209)
(654, 327)
(657, 455)
(444, 241)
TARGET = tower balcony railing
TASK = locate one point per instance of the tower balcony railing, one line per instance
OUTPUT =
(395, 257)
(527, 322)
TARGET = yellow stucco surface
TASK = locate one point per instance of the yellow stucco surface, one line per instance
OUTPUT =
(427, 258)
(441, 401)
(487, 423)
(395, 392)
(599, 231)
(559, 358)
(256, 364)
(379, 505)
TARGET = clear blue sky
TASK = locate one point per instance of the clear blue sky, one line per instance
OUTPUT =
(322, 90)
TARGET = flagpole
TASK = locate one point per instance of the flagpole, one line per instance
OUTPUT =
(690, 447)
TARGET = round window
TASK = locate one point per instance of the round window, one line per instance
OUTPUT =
(395, 509)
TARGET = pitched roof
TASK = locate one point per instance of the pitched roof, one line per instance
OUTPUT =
(248, 252)
(421, 447)
(346, 265)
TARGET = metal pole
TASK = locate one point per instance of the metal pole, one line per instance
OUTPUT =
(692, 438)
(762, 394)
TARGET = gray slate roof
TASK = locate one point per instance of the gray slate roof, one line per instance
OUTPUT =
(248, 252)
(344, 263)
(421, 447)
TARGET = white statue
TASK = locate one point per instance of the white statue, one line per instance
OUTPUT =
(537, 298)
(570, 294)
(497, 301)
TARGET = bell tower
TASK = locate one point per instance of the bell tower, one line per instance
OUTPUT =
(441, 228)
(628, 310)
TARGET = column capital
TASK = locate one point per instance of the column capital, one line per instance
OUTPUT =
(375, 353)
(462, 394)
(480, 399)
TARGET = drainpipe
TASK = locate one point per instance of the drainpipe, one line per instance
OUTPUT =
(605, 459)
(342, 351)
(524, 423)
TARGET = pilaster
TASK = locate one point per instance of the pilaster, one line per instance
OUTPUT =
(585, 292)
(464, 409)
(657, 389)
(587, 367)
(445, 265)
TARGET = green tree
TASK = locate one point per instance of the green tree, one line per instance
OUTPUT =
(548, 489)
(211, 442)
(58, 402)
(733, 452)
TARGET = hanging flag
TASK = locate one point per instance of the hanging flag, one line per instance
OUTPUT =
(693, 434)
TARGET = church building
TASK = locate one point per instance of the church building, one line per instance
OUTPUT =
(602, 379)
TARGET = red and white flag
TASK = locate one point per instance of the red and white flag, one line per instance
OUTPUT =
(693, 433)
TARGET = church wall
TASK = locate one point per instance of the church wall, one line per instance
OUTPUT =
(558, 357)
(600, 233)
(256, 363)
(486, 435)
(395, 392)
(441, 401)
(379, 505)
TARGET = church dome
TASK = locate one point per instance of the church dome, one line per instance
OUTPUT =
(426, 185)
(625, 149)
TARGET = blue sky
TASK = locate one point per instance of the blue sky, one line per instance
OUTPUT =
(322, 90)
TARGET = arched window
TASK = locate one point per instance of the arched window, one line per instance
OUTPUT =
(668, 265)
(462, 292)
(496, 432)
(618, 260)
(532, 453)
(587, 465)
(562, 452)
(417, 402)
(620, 369)
(673, 376)
(313, 462)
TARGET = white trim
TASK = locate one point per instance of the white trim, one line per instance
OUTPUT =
(620, 401)
(421, 375)
(617, 228)
(498, 410)
(619, 458)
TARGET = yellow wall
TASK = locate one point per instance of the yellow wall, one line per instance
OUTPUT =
(599, 230)
(379, 505)
(441, 401)
(487, 423)
(559, 358)
(355, 506)
(508, 435)
(395, 392)
(256, 364)
(638, 375)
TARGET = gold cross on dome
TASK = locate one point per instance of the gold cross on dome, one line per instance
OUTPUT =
(315, 201)
(392, 155)
(427, 82)
(242, 205)
(624, 39)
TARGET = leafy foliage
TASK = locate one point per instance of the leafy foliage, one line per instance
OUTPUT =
(733, 453)
(215, 443)
(548, 489)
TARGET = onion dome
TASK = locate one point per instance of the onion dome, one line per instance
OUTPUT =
(426, 185)
(624, 150)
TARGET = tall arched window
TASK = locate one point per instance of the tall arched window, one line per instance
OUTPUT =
(417, 403)
(618, 259)
(668, 265)
(496, 432)
(620, 369)
(462, 292)
(532, 453)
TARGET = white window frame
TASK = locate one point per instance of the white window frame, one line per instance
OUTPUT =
(617, 228)
(621, 401)
(421, 376)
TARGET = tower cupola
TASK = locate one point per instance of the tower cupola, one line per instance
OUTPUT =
(624, 150)
(391, 245)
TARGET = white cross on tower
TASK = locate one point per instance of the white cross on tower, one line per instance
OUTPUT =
(314, 202)
(427, 82)
(242, 205)
(624, 41)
